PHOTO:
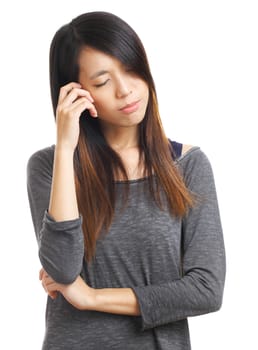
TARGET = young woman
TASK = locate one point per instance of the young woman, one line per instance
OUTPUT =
(127, 222)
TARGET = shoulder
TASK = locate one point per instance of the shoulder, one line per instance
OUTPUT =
(193, 155)
(193, 161)
(41, 160)
(196, 167)
(184, 153)
(180, 150)
(186, 148)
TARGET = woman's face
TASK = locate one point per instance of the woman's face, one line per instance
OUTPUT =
(120, 96)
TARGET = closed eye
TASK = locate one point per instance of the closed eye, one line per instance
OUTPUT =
(102, 84)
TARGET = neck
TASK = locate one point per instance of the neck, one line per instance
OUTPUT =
(121, 138)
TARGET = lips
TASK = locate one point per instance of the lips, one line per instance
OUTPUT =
(130, 107)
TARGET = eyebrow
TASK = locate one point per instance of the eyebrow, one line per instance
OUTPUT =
(98, 74)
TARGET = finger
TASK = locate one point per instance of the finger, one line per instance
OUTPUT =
(47, 280)
(49, 287)
(41, 274)
(81, 104)
(44, 287)
(74, 95)
(53, 295)
(66, 89)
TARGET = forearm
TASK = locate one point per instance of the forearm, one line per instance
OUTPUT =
(116, 300)
(63, 202)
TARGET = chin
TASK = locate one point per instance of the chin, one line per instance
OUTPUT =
(129, 120)
(133, 120)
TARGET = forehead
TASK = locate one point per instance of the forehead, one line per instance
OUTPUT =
(92, 60)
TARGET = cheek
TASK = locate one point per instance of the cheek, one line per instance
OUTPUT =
(103, 105)
(144, 89)
(101, 96)
(145, 93)
(99, 99)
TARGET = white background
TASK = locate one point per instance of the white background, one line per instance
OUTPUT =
(204, 59)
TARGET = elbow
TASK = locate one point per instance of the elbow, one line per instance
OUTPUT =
(215, 303)
(60, 271)
(210, 292)
(208, 295)
(212, 301)
(216, 293)
(61, 252)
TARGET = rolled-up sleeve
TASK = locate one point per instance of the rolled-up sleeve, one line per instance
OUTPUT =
(200, 289)
(61, 244)
(61, 248)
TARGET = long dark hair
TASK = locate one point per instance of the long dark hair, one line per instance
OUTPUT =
(96, 163)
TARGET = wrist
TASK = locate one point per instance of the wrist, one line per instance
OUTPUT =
(64, 149)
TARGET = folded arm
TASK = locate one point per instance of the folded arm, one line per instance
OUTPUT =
(59, 235)
(200, 289)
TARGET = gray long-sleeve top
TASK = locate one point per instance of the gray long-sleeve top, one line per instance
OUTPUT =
(176, 267)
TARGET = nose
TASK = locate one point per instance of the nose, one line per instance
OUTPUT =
(122, 89)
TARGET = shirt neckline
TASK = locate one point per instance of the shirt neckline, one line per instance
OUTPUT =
(132, 181)
(145, 178)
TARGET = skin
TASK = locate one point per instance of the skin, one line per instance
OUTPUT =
(105, 86)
